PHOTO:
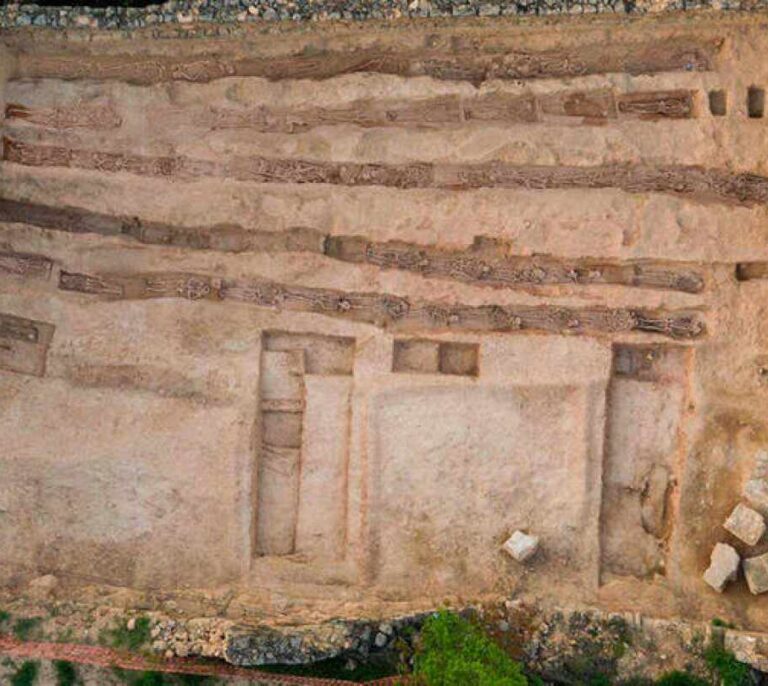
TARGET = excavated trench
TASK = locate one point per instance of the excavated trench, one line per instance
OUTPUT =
(298, 324)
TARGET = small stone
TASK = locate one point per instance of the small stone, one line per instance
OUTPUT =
(503, 625)
(746, 524)
(381, 640)
(723, 566)
(756, 573)
(521, 546)
(350, 665)
(131, 624)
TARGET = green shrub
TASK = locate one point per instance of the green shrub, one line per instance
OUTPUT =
(4, 616)
(454, 652)
(129, 639)
(66, 674)
(27, 628)
(680, 679)
(195, 680)
(26, 675)
(723, 664)
(131, 678)
(139, 678)
(716, 621)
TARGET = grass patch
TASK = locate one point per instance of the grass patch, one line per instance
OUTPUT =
(27, 628)
(5, 617)
(452, 651)
(26, 675)
(129, 639)
(66, 673)
(726, 667)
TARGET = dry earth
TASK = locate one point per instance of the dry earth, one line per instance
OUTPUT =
(300, 323)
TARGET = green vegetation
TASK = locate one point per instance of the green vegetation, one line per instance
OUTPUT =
(139, 678)
(66, 673)
(129, 639)
(722, 623)
(724, 665)
(26, 675)
(195, 680)
(681, 679)
(454, 652)
(27, 628)
(5, 616)
(131, 678)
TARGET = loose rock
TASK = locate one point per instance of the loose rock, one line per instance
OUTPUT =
(756, 494)
(756, 573)
(746, 524)
(43, 587)
(723, 567)
(521, 546)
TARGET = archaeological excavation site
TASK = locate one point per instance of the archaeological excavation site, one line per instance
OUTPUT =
(327, 326)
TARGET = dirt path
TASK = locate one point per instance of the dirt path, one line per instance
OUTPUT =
(107, 657)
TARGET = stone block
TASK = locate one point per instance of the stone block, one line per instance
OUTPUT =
(756, 573)
(43, 587)
(521, 546)
(756, 494)
(746, 524)
(723, 566)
